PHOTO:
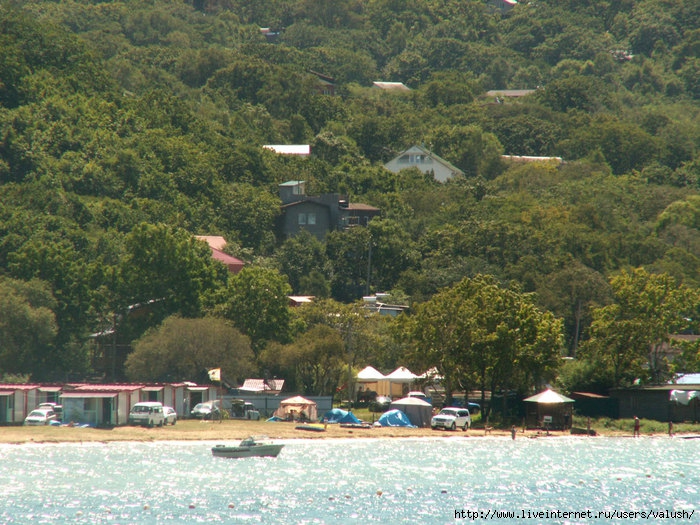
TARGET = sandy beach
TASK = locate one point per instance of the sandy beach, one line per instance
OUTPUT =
(188, 430)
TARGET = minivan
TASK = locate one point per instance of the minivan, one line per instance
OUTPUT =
(147, 414)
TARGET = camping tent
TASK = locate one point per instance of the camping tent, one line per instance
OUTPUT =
(371, 379)
(399, 381)
(394, 418)
(549, 409)
(338, 415)
(419, 412)
(297, 408)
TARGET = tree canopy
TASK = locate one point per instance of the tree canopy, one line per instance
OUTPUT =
(127, 128)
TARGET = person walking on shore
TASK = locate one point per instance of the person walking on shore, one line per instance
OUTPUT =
(636, 426)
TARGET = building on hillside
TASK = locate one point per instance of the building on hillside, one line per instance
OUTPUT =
(298, 150)
(509, 93)
(299, 300)
(391, 86)
(318, 215)
(217, 244)
(426, 161)
(325, 84)
(525, 159)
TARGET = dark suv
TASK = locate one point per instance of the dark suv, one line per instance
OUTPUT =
(207, 410)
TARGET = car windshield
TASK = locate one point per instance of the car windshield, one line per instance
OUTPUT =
(38, 413)
(141, 409)
(448, 412)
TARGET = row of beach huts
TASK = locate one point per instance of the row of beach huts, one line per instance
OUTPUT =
(98, 404)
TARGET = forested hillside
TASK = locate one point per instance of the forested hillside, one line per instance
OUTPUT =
(127, 127)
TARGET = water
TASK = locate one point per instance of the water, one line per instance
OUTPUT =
(356, 481)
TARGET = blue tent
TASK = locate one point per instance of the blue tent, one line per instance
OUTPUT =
(395, 418)
(338, 415)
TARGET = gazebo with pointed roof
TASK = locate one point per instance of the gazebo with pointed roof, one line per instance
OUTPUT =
(549, 409)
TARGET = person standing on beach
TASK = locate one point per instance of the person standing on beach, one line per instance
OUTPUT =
(636, 426)
(512, 432)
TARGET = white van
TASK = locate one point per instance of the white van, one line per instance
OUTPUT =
(147, 414)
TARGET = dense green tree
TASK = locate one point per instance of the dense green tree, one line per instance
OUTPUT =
(28, 329)
(301, 256)
(629, 337)
(316, 360)
(250, 214)
(184, 349)
(167, 268)
(118, 116)
(477, 334)
(256, 301)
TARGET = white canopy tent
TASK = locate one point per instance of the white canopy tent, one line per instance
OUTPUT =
(399, 381)
(369, 378)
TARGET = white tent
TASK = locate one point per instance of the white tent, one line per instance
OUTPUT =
(549, 396)
(369, 374)
(371, 379)
(297, 408)
(398, 380)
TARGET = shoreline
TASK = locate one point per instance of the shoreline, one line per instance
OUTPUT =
(236, 430)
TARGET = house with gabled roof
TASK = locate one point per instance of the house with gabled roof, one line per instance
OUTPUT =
(216, 244)
(426, 161)
(318, 214)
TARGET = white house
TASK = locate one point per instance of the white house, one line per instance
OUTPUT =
(426, 161)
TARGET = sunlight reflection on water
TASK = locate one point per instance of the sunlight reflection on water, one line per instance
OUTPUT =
(347, 481)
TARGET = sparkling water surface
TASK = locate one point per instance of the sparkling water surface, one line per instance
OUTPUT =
(356, 481)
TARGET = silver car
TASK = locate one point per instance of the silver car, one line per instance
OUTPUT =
(451, 418)
(169, 415)
(40, 416)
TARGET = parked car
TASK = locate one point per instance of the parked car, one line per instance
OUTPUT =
(40, 416)
(169, 416)
(380, 404)
(419, 395)
(147, 413)
(58, 409)
(207, 410)
(451, 418)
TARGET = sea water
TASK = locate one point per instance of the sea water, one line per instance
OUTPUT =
(549, 480)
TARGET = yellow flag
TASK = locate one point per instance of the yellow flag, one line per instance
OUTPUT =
(215, 374)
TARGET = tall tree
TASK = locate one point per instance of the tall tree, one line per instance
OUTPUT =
(256, 301)
(27, 328)
(630, 336)
(184, 349)
(479, 334)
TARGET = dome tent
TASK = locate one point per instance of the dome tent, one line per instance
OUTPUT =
(338, 415)
(394, 418)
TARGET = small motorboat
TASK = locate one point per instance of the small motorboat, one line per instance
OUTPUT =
(253, 446)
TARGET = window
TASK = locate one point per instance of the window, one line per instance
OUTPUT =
(301, 218)
(311, 218)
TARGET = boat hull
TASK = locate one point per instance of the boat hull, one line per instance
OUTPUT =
(223, 451)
